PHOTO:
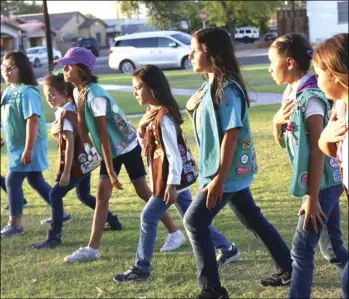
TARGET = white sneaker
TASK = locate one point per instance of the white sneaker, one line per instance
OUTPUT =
(83, 254)
(173, 241)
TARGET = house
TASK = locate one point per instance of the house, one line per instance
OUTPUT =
(94, 28)
(11, 35)
(326, 18)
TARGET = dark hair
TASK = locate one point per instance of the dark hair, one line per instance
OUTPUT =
(87, 77)
(57, 82)
(294, 46)
(332, 55)
(25, 69)
(155, 80)
(218, 45)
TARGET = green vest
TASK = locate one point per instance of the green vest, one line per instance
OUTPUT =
(121, 131)
(12, 114)
(302, 149)
(244, 162)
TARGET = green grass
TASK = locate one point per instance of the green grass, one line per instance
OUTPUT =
(257, 78)
(28, 273)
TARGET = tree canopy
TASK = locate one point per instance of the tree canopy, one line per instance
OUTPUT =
(19, 7)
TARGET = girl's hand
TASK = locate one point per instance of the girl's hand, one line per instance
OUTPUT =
(313, 212)
(214, 191)
(195, 100)
(170, 196)
(284, 113)
(55, 129)
(114, 180)
(334, 131)
(65, 179)
(147, 118)
(27, 156)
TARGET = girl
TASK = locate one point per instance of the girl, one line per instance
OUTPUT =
(171, 166)
(23, 120)
(297, 126)
(77, 158)
(115, 140)
(227, 158)
(330, 62)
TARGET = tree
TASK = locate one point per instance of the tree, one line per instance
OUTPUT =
(19, 7)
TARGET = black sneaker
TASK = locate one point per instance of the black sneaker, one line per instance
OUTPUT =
(133, 274)
(53, 240)
(220, 293)
(277, 280)
(227, 257)
(113, 223)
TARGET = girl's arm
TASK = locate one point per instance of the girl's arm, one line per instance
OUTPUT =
(69, 154)
(105, 144)
(311, 207)
(32, 128)
(216, 187)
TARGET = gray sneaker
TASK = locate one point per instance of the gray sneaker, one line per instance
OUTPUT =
(10, 230)
(83, 254)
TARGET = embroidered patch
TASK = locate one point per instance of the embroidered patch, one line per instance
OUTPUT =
(82, 158)
(242, 170)
(115, 110)
(334, 163)
(120, 148)
(131, 136)
(303, 179)
(244, 159)
(337, 176)
(246, 144)
(254, 166)
(187, 168)
(86, 167)
(181, 149)
(190, 178)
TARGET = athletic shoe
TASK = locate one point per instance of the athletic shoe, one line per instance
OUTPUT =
(24, 205)
(66, 218)
(113, 223)
(219, 293)
(10, 230)
(228, 257)
(83, 254)
(277, 280)
(173, 241)
(133, 274)
(53, 240)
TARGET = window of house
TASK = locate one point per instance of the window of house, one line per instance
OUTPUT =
(99, 37)
(342, 8)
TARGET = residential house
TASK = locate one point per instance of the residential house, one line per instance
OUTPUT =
(95, 28)
(11, 35)
(326, 18)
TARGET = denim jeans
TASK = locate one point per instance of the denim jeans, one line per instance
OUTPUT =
(151, 214)
(14, 182)
(199, 217)
(305, 242)
(345, 282)
(3, 184)
(57, 193)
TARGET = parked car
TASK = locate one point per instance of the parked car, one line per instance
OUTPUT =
(246, 34)
(166, 49)
(89, 43)
(38, 55)
(271, 35)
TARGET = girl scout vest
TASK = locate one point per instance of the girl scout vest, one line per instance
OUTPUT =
(244, 162)
(155, 149)
(301, 145)
(16, 133)
(121, 131)
(85, 157)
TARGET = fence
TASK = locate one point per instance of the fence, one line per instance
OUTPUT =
(295, 20)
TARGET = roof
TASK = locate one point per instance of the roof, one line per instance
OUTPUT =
(11, 22)
(57, 20)
(89, 22)
(148, 34)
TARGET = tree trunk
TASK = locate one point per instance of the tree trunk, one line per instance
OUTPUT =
(230, 22)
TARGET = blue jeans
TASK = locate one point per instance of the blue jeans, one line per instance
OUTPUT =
(305, 242)
(3, 183)
(151, 214)
(57, 193)
(345, 279)
(14, 182)
(198, 219)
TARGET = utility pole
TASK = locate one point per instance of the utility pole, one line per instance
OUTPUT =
(48, 36)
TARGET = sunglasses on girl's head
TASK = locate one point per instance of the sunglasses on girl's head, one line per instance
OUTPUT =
(8, 67)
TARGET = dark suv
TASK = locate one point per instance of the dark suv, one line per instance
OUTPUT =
(89, 43)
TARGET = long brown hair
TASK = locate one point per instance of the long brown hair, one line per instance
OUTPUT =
(332, 55)
(218, 45)
(155, 80)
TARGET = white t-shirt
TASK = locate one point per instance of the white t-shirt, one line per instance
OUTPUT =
(315, 106)
(99, 108)
(343, 146)
(67, 125)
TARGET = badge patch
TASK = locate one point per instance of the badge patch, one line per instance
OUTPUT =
(181, 149)
(334, 163)
(337, 176)
(246, 144)
(254, 166)
(244, 159)
(190, 178)
(242, 170)
(82, 158)
(303, 179)
(115, 109)
(187, 168)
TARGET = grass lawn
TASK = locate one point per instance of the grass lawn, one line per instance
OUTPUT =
(257, 77)
(29, 273)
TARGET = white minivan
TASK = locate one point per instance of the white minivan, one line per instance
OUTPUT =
(165, 49)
